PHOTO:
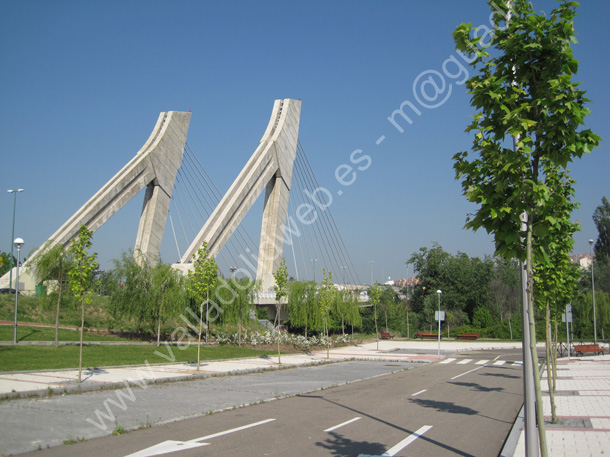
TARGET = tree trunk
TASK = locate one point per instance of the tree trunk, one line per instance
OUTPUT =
(57, 312)
(278, 310)
(510, 327)
(532, 327)
(82, 325)
(550, 370)
(199, 336)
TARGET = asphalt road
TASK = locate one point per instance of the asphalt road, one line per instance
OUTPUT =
(463, 407)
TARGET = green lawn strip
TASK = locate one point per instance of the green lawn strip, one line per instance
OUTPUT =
(34, 333)
(21, 358)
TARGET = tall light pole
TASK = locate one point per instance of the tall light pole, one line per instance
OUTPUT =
(371, 262)
(10, 275)
(439, 292)
(593, 288)
(313, 266)
(18, 243)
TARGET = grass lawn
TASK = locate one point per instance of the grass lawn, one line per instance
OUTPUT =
(17, 358)
(32, 333)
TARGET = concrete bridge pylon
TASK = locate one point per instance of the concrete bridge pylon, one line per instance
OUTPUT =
(270, 169)
(154, 167)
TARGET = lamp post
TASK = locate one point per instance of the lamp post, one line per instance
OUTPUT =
(17, 243)
(593, 289)
(10, 275)
(371, 262)
(313, 266)
(439, 292)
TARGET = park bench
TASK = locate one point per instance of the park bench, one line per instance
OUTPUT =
(469, 336)
(584, 348)
(385, 335)
(426, 336)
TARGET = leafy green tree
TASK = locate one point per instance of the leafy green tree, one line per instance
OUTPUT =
(202, 280)
(506, 290)
(5, 262)
(387, 303)
(346, 308)
(601, 217)
(168, 295)
(53, 264)
(328, 296)
(81, 276)
(237, 298)
(524, 92)
(304, 306)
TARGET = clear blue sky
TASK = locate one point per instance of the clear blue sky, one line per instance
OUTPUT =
(82, 84)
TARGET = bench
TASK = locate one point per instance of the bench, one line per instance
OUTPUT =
(469, 336)
(426, 336)
(583, 348)
(385, 335)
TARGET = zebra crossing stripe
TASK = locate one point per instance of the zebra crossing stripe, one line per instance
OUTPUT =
(464, 362)
(482, 362)
(499, 362)
(448, 360)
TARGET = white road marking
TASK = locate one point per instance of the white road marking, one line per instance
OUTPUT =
(342, 424)
(498, 363)
(464, 362)
(448, 360)
(481, 362)
(420, 392)
(408, 440)
(173, 446)
(517, 364)
(469, 371)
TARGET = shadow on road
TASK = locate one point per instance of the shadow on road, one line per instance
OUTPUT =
(343, 447)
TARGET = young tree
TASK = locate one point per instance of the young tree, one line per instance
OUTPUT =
(201, 283)
(524, 92)
(281, 281)
(53, 264)
(168, 295)
(328, 297)
(374, 300)
(81, 279)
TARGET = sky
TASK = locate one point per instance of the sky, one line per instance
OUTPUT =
(83, 82)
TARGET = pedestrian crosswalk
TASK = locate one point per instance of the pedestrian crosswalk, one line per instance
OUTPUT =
(496, 363)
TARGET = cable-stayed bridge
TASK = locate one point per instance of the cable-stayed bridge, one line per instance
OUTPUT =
(181, 196)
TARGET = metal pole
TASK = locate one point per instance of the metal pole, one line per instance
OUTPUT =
(568, 327)
(438, 292)
(371, 262)
(17, 293)
(531, 433)
(10, 275)
(593, 288)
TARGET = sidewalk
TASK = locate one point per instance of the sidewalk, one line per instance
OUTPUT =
(34, 383)
(583, 409)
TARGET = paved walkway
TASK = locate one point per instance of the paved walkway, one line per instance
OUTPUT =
(63, 381)
(583, 409)
(583, 390)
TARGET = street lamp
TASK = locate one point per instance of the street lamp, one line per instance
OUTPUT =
(439, 292)
(10, 275)
(17, 243)
(313, 266)
(593, 288)
(371, 262)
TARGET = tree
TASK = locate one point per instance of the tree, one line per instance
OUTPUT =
(5, 262)
(168, 295)
(524, 92)
(202, 280)
(304, 306)
(601, 217)
(506, 289)
(53, 264)
(346, 307)
(81, 279)
(281, 280)
(328, 296)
